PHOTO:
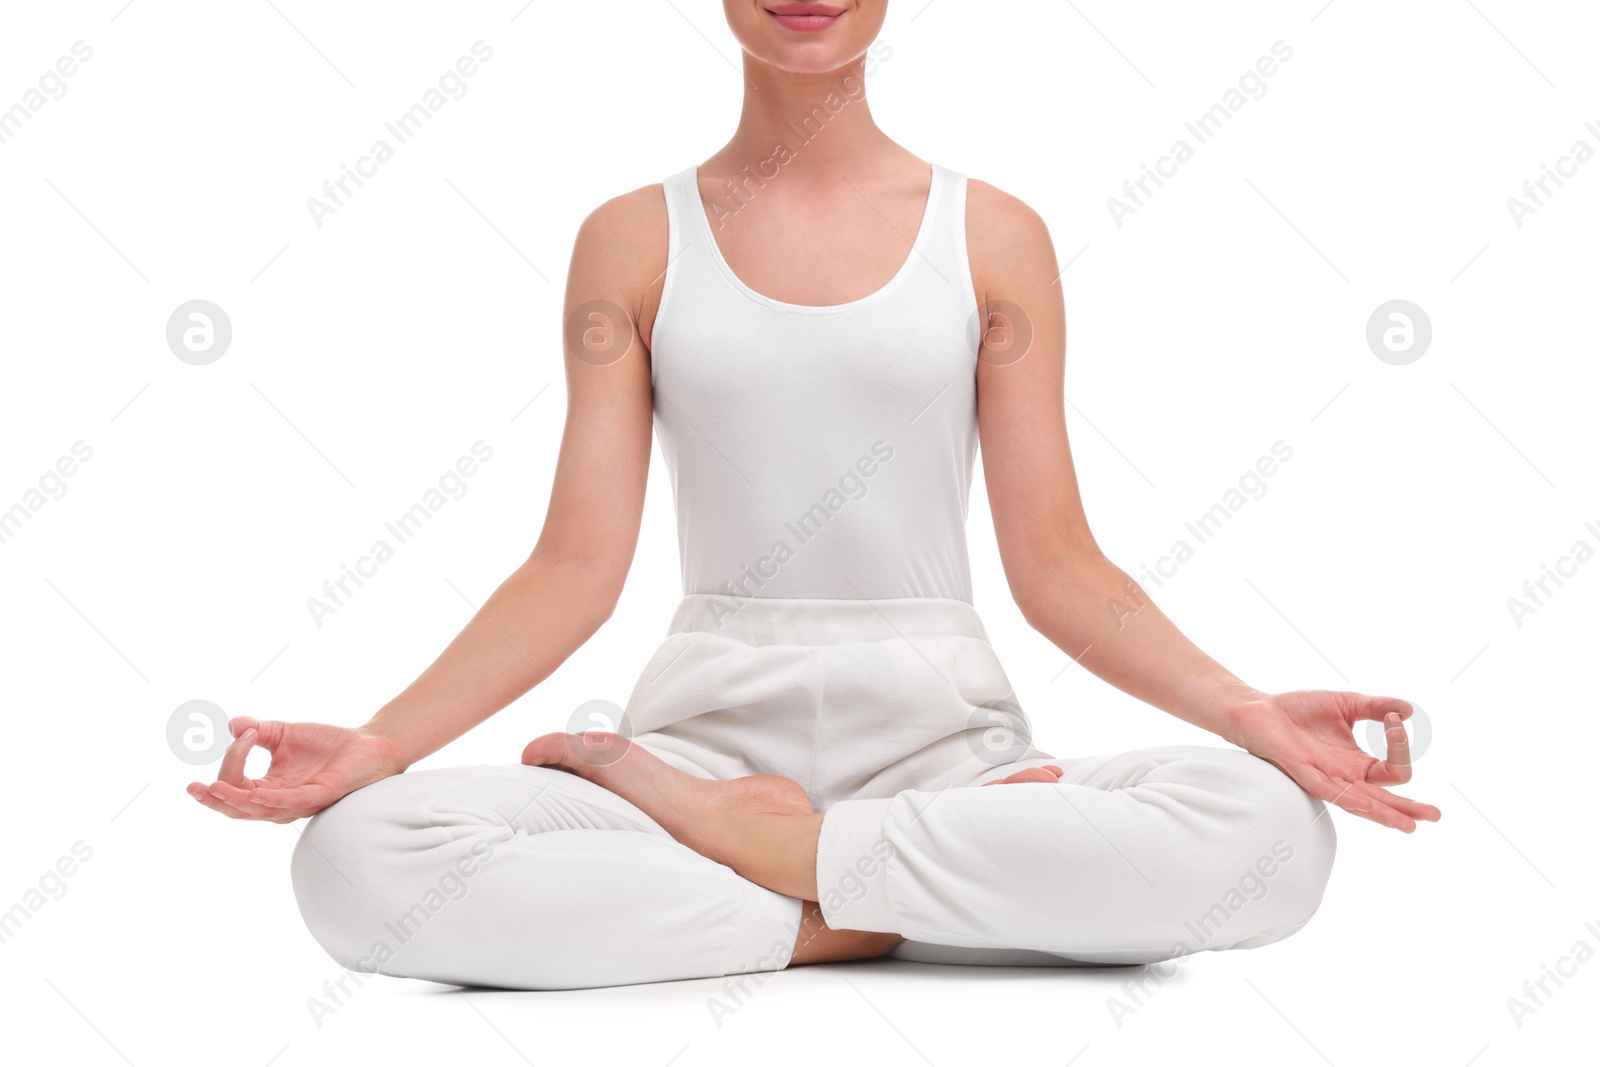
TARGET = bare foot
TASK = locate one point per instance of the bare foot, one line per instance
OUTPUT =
(1047, 773)
(762, 826)
(817, 942)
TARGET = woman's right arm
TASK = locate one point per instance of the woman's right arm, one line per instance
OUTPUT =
(558, 597)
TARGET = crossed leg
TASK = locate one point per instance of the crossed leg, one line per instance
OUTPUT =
(627, 870)
(1130, 858)
(524, 878)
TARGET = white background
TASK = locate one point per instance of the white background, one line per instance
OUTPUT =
(368, 354)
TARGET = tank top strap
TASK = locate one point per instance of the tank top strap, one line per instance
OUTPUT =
(946, 246)
(683, 199)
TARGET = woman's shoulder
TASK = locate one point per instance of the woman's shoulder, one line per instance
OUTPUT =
(626, 236)
(639, 216)
(991, 206)
(1004, 234)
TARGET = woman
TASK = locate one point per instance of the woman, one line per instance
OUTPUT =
(799, 316)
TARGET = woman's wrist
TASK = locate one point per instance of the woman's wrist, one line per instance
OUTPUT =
(1235, 716)
(1219, 704)
(392, 741)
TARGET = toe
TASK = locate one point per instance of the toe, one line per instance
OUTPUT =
(1032, 774)
(546, 750)
(585, 754)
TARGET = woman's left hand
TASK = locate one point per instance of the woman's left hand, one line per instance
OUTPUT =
(1309, 735)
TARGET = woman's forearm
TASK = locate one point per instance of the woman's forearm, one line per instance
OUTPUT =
(1092, 610)
(538, 617)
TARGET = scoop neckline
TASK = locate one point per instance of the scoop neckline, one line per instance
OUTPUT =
(918, 243)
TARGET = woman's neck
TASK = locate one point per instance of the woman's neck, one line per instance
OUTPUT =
(817, 125)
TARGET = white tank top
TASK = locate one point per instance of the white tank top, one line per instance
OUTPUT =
(819, 451)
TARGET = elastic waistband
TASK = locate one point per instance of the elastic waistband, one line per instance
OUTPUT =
(817, 621)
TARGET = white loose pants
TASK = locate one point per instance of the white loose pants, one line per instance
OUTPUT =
(889, 713)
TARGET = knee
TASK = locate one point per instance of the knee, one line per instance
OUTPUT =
(374, 872)
(1286, 813)
(362, 863)
(335, 871)
(1283, 844)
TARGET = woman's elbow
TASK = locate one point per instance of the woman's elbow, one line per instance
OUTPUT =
(580, 585)
(1042, 574)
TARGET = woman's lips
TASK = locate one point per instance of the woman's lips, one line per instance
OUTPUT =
(806, 18)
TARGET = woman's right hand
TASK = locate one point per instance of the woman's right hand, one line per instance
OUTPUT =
(312, 766)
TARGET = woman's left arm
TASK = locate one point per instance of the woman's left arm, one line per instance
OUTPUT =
(1089, 607)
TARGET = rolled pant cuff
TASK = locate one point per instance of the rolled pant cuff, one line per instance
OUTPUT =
(767, 925)
(853, 859)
